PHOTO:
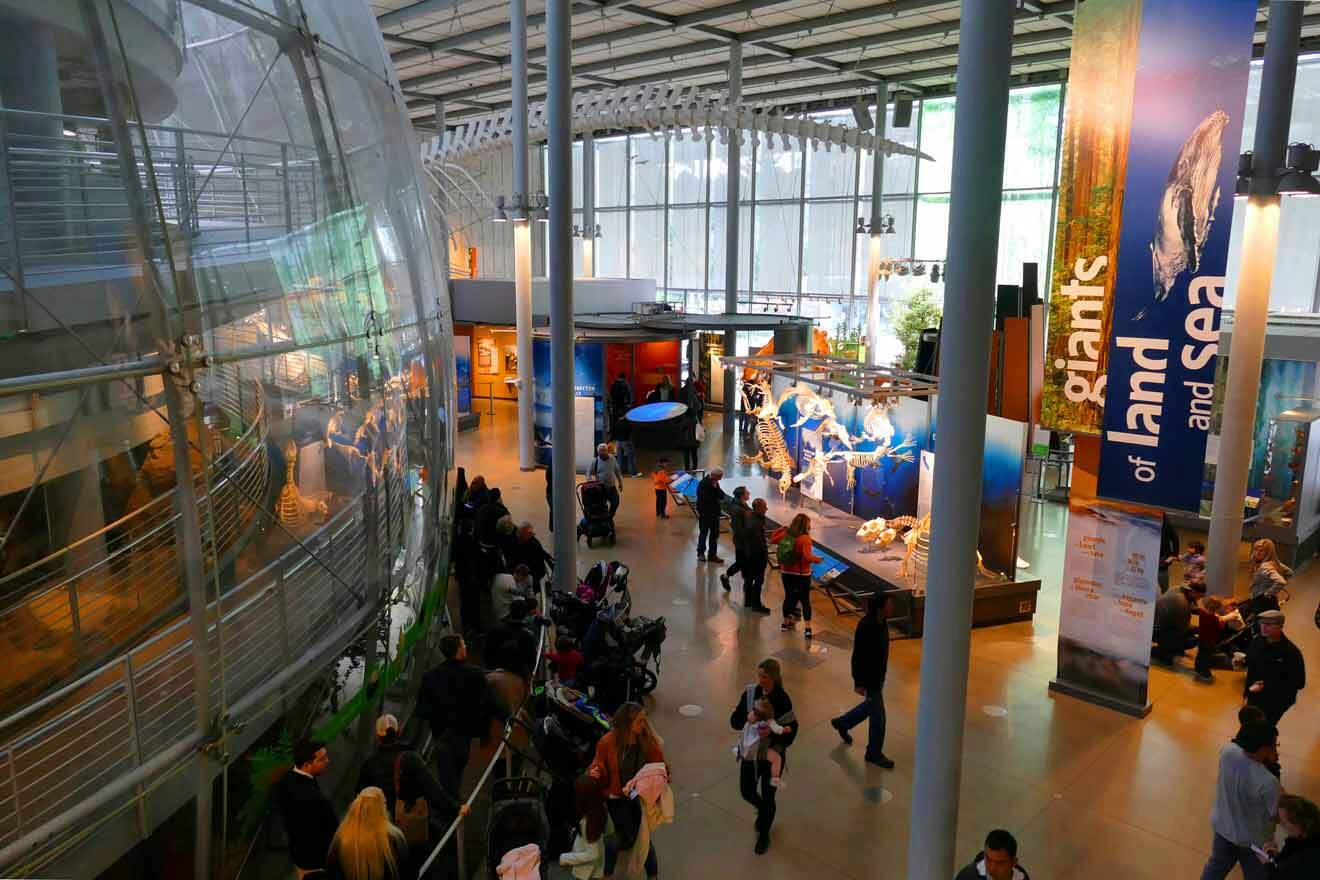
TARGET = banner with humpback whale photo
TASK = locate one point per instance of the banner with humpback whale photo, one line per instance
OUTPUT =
(1193, 61)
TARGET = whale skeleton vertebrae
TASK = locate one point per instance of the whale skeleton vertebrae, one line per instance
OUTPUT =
(660, 109)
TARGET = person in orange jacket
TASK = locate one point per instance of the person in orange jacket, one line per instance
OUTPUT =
(793, 547)
(661, 480)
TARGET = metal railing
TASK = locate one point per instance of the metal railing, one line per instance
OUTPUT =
(91, 598)
(66, 207)
(140, 708)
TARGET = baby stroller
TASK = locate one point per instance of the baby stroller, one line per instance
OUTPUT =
(517, 818)
(596, 520)
(623, 656)
(575, 611)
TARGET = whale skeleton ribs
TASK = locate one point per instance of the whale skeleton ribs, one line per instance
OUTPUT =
(660, 109)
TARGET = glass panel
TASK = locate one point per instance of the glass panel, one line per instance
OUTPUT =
(612, 173)
(830, 313)
(832, 172)
(892, 246)
(900, 171)
(647, 161)
(932, 227)
(937, 142)
(828, 246)
(1033, 129)
(687, 247)
(715, 266)
(612, 246)
(719, 172)
(1024, 234)
(776, 247)
(688, 165)
(646, 252)
(778, 172)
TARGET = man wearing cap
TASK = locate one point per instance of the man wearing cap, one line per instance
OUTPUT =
(395, 759)
(1275, 668)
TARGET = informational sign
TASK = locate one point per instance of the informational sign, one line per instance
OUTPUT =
(1107, 608)
(588, 382)
(1191, 83)
(1096, 130)
(463, 372)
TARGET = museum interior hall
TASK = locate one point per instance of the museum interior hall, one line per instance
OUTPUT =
(512, 439)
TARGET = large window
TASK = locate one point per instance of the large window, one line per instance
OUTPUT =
(661, 204)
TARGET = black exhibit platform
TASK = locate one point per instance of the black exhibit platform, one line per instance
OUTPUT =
(869, 570)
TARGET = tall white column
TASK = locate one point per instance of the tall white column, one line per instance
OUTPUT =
(559, 109)
(588, 205)
(876, 245)
(980, 123)
(522, 239)
(731, 245)
(1260, 239)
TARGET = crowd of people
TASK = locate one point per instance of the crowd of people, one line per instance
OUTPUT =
(624, 795)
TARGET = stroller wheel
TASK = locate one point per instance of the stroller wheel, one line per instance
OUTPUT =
(644, 680)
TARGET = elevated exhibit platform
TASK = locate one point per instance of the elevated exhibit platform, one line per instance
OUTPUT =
(863, 570)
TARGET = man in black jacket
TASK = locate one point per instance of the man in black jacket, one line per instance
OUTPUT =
(710, 498)
(454, 698)
(737, 523)
(309, 817)
(1275, 668)
(395, 757)
(527, 550)
(870, 663)
(997, 861)
(756, 556)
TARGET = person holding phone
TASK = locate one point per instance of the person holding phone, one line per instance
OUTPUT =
(1300, 856)
(1246, 796)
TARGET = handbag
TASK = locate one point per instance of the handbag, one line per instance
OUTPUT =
(700, 432)
(415, 823)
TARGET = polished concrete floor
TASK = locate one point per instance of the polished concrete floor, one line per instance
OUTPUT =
(1091, 794)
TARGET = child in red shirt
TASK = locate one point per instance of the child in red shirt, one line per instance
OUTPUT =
(567, 659)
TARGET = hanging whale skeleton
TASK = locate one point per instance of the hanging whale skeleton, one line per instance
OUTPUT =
(660, 109)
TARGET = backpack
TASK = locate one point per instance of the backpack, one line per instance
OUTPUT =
(786, 550)
(414, 823)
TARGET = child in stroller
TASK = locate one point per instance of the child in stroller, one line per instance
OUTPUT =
(597, 516)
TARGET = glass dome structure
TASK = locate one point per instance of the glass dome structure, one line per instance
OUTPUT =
(225, 393)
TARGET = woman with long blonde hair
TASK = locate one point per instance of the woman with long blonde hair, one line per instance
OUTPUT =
(1268, 576)
(367, 846)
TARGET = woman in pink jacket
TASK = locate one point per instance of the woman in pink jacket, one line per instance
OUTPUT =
(793, 546)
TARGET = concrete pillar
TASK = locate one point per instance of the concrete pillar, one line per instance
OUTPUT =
(731, 246)
(1250, 312)
(559, 110)
(980, 123)
(588, 205)
(522, 239)
(876, 242)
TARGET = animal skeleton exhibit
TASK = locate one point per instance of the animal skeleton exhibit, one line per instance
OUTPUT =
(661, 108)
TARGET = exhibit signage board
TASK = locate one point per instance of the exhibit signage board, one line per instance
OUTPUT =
(1191, 84)
(1107, 608)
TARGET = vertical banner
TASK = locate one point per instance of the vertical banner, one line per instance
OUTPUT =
(1108, 604)
(1191, 84)
(1093, 163)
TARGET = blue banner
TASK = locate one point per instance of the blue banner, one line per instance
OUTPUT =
(588, 381)
(1193, 59)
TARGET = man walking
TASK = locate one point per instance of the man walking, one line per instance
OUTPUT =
(710, 497)
(1246, 795)
(454, 698)
(309, 817)
(756, 556)
(737, 521)
(870, 663)
(605, 467)
(1275, 668)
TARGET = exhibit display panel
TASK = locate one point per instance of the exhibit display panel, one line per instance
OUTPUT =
(851, 457)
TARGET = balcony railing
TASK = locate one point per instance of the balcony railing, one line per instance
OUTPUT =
(91, 598)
